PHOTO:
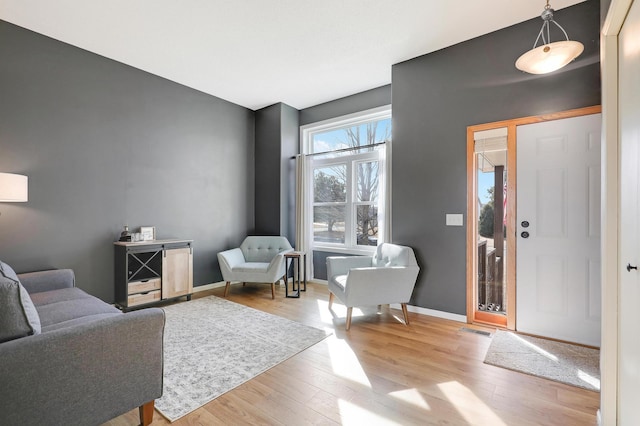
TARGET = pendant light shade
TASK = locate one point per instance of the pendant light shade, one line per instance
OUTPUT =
(13, 188)
(549, 56)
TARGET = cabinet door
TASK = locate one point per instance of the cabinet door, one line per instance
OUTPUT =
(177, 272)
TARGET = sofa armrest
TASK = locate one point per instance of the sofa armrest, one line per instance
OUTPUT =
(276, 268)
(227, 260)
(54, 279)
(340, 265)
(278, 259)
(83, 374)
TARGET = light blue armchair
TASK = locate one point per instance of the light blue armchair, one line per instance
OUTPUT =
(388, 276)
(259, 259)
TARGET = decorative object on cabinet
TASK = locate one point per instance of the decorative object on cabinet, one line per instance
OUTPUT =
(152, 271)
(125, 235)
(148, 233)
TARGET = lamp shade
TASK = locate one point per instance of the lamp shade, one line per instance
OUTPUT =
(13, 188)
(549, 57)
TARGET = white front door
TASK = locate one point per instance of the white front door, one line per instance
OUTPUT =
(629, 307)
(558, 229)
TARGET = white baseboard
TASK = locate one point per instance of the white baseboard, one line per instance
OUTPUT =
(211, 286)
(410, 308)
(432, 312)
(208, 286)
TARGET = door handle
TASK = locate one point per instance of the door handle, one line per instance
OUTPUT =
(525, 234)
(629, 267)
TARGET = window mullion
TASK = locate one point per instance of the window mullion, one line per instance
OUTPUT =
(349, 219)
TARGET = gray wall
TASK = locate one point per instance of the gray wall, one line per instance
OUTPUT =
(277, 142)
(105, 145)
(435, 98)
(369, 99)
(290, 146)
(267, 167)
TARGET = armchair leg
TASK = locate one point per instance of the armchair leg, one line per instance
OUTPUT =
(273, 290)
(405, 313)
(330, 300)
(349, 312)
(226, 288)
(146, 413)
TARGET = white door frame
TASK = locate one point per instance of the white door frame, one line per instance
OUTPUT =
(610, 217)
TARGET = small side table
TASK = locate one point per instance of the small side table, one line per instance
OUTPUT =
(299, 261)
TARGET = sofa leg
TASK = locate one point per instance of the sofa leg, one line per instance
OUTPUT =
(226, 288)
(405, 313)
(330, 300)
(349, 312)
(146, 413)
(273, 290)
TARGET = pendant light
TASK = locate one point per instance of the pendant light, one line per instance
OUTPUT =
(549, 56)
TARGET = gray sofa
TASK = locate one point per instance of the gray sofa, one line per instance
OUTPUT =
(68, 358)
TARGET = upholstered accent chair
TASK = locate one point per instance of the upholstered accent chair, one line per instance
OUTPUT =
(388, 276)
(259, 259)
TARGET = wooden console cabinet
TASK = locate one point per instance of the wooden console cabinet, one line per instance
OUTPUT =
(148, 272)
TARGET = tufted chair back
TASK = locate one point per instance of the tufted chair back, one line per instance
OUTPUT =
(387, 255)
(263, 248)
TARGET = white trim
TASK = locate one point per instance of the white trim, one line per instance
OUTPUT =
(381, 156)
(610, 215)
(206, 287)
(499, 132)
(432, 312)
(360, 251)
(410, 308)
(344, 120)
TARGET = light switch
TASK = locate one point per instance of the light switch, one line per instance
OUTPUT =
(454, 219)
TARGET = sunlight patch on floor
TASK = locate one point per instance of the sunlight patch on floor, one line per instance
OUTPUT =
(351, 414)
(411, 396)
(472, 408)
(536, 348)
(339, 312)
(588, 378)
(345, 363)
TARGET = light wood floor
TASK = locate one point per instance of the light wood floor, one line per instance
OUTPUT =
(383, 372)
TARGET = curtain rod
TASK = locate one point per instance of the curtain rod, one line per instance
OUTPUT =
(351, 148)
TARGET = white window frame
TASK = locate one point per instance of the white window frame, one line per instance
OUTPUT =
(351, 160)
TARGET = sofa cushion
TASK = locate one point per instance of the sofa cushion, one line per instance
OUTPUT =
(18, 315)
(68, 304)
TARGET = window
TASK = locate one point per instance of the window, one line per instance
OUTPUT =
(348, 180)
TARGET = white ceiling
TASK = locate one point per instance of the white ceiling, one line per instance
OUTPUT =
(259, 52)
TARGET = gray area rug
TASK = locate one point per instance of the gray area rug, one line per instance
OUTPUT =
(212, 345)
(562, 362)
